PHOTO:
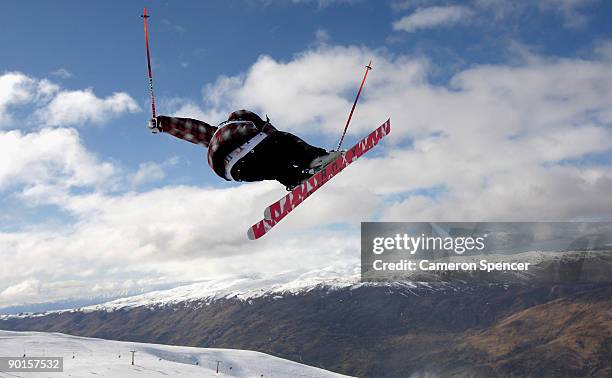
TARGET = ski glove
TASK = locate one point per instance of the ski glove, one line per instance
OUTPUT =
(154, 126)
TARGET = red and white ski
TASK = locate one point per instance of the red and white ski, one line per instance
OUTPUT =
(278, 210)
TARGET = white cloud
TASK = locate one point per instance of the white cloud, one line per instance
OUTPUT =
(83, 106)
(431, 17)
(148, 172)
(315, 91)
(173, 26)
(573, 13)
(570, 10)
(25, 290)
(62, 73)
(49, 158)
(322, 36)
(54, 106)
(15, 89)
(166, 235)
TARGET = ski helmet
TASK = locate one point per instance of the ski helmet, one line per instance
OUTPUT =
(246, 115)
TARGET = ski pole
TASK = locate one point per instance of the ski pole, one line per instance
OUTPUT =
(368, 68)
(146, 31)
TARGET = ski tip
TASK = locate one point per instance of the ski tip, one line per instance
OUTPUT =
(251, 234)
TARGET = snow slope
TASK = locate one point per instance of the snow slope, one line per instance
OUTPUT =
(88, 357)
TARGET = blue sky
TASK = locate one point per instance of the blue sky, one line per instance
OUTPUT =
(501, 110)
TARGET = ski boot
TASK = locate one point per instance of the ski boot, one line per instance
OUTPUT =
(318, 163)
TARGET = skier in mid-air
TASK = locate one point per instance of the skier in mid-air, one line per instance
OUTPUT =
(247, 148)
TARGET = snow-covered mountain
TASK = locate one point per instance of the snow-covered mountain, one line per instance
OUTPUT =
(544, 265)
(242, 288)
(86, 357)
(327, 279)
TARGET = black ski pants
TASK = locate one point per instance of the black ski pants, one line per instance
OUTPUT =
(280, 156)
